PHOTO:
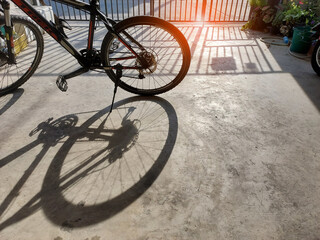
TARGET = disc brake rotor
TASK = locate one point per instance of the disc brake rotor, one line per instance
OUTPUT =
(150, 58)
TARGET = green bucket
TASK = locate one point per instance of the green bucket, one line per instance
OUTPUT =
(301, 39)
(2, 30)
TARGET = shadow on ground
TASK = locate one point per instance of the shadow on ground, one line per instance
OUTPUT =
(227, 50)
(9, 100)
(101, 166)
(216, 50)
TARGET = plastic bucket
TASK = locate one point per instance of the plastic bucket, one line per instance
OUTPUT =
(301, 39)
(2, 30)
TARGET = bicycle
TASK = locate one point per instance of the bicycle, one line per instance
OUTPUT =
(315, 59)
(143, 55)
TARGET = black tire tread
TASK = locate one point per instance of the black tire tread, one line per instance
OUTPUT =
(314, 63)
(156, 22)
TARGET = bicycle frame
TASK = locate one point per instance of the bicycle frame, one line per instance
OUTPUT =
(50, 28)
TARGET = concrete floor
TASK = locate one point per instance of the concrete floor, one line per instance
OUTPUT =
(233, 152)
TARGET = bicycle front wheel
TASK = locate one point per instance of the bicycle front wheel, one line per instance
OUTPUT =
(163, 47)
(28, 48)
(315, 60)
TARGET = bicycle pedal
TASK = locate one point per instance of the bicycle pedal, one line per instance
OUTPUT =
(62, 83)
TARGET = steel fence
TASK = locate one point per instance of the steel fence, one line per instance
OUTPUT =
(170, 10)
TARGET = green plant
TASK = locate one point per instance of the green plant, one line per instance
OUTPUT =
(268, 14)
(311, 5)
(258, 3)
(296, 12)
(248, 25)
(302, 12)
(278, 19)
(313, 9)
(296, 15)
(261, 16)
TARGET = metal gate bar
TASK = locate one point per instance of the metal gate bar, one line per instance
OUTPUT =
(170, 10)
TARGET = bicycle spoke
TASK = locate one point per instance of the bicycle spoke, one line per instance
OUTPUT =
(28, 51)
(158, 42)
(163, 59)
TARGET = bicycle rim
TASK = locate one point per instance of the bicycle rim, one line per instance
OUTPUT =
(318, 57)
(315, 60)
(28, 46)
(161, 44)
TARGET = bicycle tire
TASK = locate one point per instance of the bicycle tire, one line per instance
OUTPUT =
(167, 43)
(315, 59)
(28, 48)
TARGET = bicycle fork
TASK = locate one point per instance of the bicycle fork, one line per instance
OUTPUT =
(8, 32)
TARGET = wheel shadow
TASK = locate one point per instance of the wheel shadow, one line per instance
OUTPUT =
(104, 165)
(8, 100)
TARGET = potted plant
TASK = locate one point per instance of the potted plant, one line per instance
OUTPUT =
(261, 15)
(297, 21)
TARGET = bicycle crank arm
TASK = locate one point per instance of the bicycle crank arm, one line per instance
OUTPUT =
(62, 79)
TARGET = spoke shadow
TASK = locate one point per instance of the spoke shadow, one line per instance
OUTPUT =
(104, 165)
(8, 100)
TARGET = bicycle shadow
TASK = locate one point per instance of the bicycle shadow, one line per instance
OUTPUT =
(103, 166)
(8, 100)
